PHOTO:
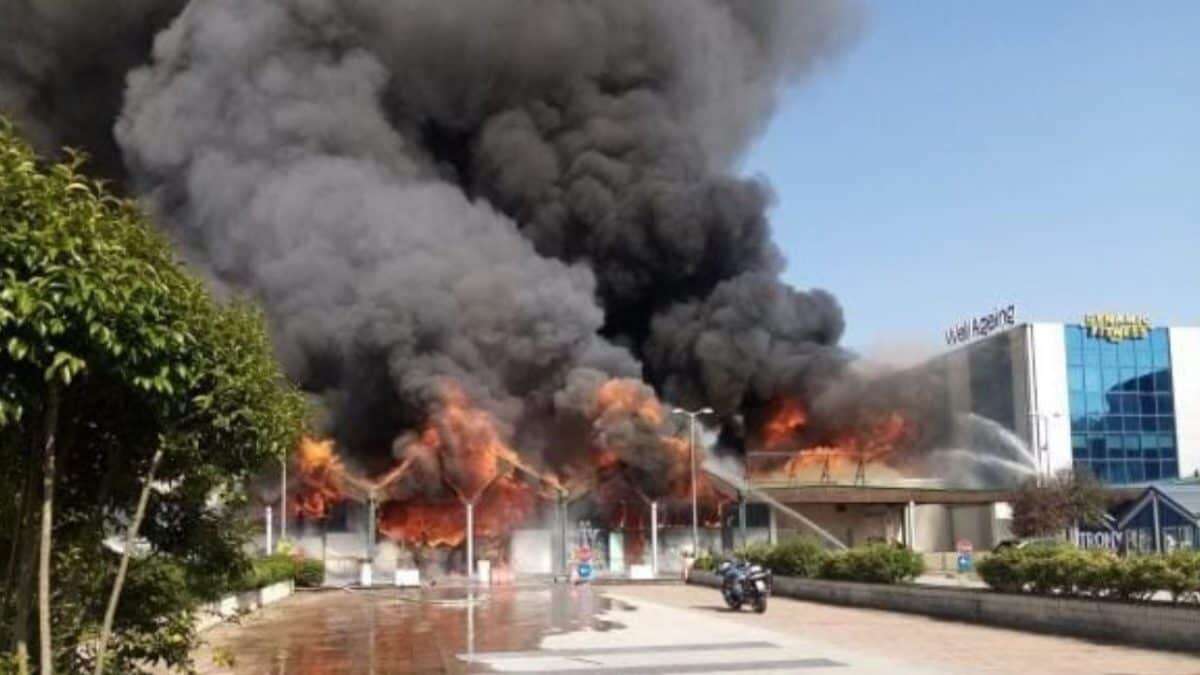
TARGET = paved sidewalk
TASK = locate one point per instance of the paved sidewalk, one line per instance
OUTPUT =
(907, 643)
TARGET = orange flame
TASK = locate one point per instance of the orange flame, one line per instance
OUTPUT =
(787, 419)
(322, 477)
(875, 441)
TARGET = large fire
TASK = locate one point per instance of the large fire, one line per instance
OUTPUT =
(873, 442)
(322, 478)
(462, 447)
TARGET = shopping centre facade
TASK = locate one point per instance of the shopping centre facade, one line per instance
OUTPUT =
(1113, 393)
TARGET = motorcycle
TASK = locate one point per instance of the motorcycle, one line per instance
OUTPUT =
(743, 582)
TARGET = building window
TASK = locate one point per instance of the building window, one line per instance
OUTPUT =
(1122, 406)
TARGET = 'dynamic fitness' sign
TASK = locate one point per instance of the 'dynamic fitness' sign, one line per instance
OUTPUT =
(1117, 327)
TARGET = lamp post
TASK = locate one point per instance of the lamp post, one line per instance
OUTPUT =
(692, 415)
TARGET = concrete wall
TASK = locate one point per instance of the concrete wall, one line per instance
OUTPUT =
(940, 527)
(1151, 624)
(1049, 397)
(852, 524)
(1185, 362)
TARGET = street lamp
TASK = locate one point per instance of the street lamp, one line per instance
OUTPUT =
(692, 415)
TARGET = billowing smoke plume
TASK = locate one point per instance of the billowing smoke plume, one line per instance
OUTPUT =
(494, 193)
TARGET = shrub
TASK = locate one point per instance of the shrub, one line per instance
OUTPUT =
(1002, 570)
(798, 557)
(758, 554)
(878, 563)
(310, 573)
(705, 562)
(1140, 576)
(1067, 571)
(266, 571)
(1183, 575)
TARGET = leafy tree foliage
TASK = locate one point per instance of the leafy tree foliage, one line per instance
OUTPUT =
(121, 380)
(1067, 498)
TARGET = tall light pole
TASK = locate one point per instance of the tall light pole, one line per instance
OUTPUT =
(692, 415)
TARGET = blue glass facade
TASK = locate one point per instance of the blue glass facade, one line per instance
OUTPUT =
(1122, 406)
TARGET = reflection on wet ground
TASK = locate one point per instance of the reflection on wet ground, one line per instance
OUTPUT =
(398, 631)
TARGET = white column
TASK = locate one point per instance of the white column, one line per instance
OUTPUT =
(654, 538)
(470, 542)
(1051, 425)
(270, 544)
(283, 500)
(1185, 374)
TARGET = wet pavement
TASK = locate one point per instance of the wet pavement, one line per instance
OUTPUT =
(399, 631)
(633, 630)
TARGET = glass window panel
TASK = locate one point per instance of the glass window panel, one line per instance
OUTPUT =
(1149, 424)
(1132, 423)
(1091, 381)
(1091, 358)
(1113, 423)
(1111, 378)
(1095, 403)
(1099, 470)
(1166, 405)
(1148, 404)
(1096, 446)
(1170, 469)
(1108, 353)
(1124, 377)
(1162, 356)
(1078, 441)
(1166, 424)
(1150, 446)
(1077, 406)
(1116, 446)
(1074, 336)
(1158, 339)
(1147, 383)
(1153, 471)
(1162, 380)
(1074, 357)
(1095, 422)
(1166, 441)
(1143, 351)
(1117, 472)
(1125, 353)
(1075, 378)
(1137, 471)
(1133, 445)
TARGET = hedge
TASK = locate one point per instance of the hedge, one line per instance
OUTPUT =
(279, 567)
(804, 557)
(1065, 570)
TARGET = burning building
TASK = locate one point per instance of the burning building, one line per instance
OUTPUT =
(493, 241)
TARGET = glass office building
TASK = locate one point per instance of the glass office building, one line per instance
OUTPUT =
(1112, 393)
(1122, 405)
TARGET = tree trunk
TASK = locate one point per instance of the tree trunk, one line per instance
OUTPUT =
(24, 597)
(48, 475)
(23, 516)
(130, 534)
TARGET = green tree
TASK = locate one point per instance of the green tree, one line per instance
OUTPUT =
(1067, 498)
(130, 401)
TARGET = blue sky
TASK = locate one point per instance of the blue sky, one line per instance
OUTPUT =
(965, 155)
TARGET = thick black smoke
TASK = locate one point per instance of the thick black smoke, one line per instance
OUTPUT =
(501, 193)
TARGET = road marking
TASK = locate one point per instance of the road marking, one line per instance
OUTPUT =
(601, 651)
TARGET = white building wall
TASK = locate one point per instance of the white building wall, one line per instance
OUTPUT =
(1049, 397)
(1185, 366)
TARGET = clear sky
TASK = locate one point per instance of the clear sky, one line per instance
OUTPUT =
(965, 155)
